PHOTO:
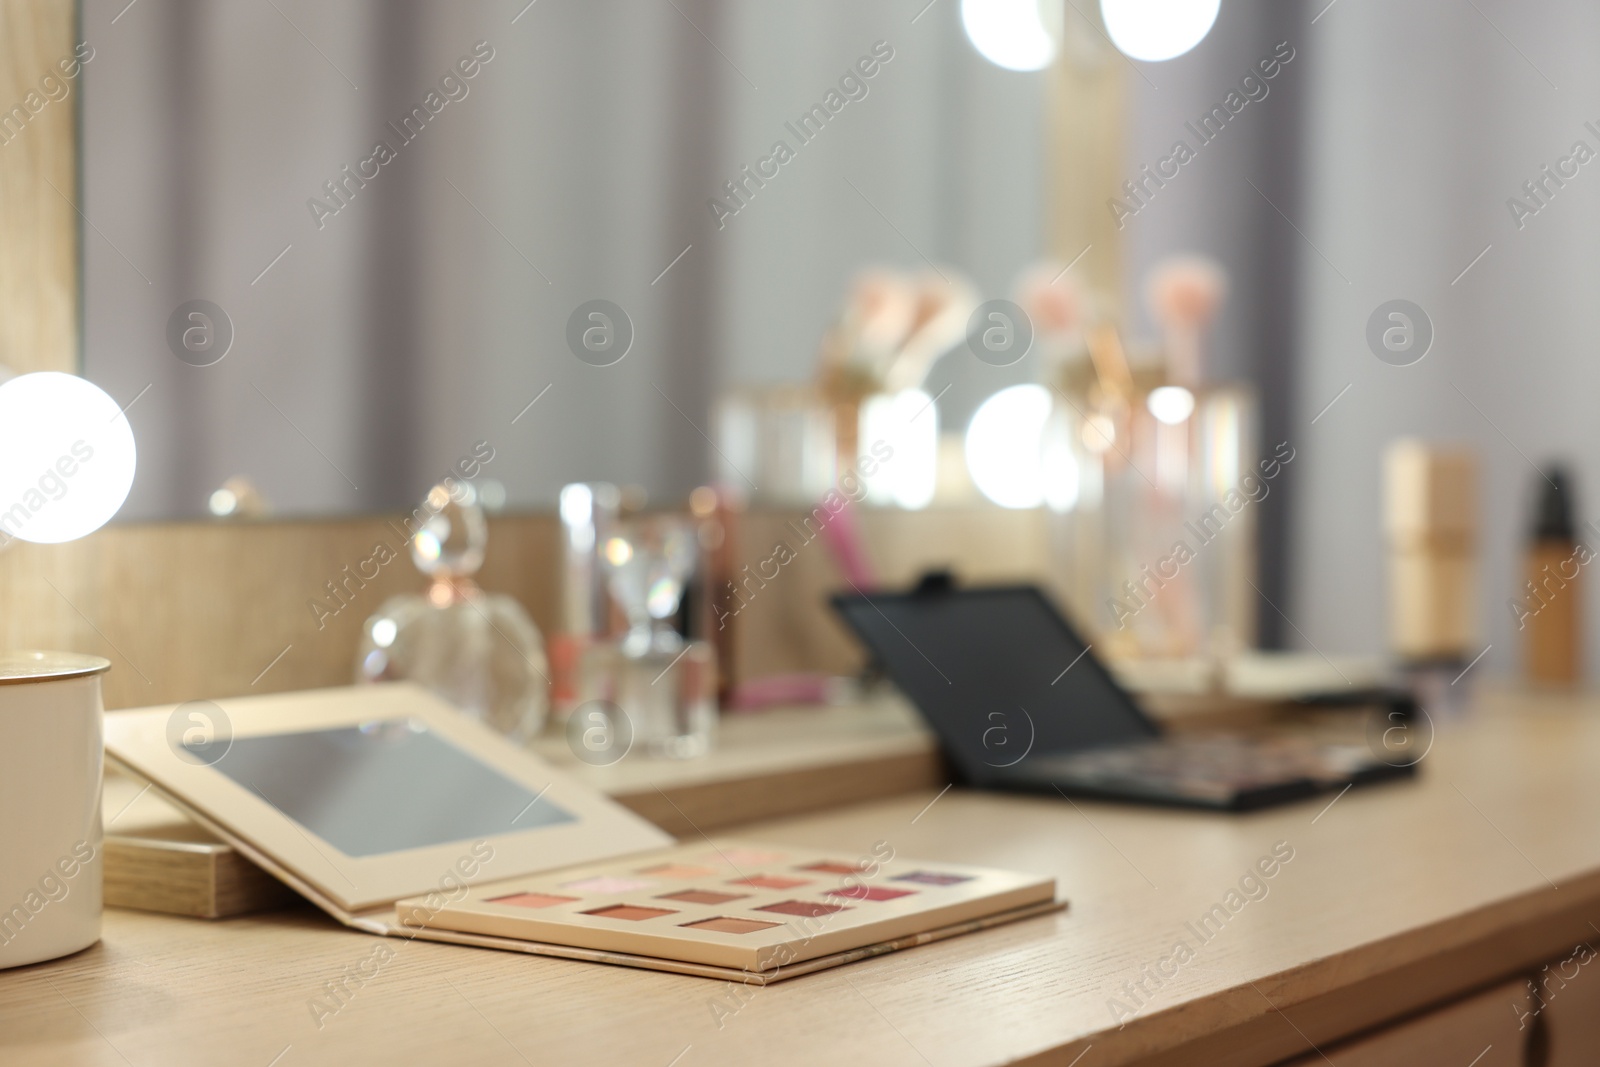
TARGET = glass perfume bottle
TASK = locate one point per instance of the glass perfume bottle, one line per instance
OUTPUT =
(666, 685)
(479, 651)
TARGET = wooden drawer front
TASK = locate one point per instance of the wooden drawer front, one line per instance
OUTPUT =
(1567, 1009)
(1488, 1029)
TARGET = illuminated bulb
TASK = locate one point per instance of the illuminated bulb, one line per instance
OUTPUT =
(907, 423)
(224, 502)
(1059, 468)
(1156, 30)
(577, 504)
(1009, 33)
(1004, 439)
(1170, 403)
(67, 458)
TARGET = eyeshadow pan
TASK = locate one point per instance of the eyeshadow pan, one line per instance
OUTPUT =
(632, 912)
(702, 896)
(870, 892)
(769, 881)
(606, 883)
(678, 870)
(933, 878)
(729, 925)
(831, 867)
(807, 908)
(532, 900)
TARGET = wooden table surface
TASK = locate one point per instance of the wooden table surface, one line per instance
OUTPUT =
(1397, 897)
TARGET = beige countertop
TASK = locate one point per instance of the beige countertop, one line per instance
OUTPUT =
(1396, 897)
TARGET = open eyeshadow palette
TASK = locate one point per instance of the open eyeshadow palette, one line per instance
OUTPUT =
(733, 904)
(399, 816)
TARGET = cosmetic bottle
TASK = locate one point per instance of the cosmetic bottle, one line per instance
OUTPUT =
(1550, 609)
(1431, 525)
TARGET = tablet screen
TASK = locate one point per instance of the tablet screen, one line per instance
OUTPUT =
(383, 787)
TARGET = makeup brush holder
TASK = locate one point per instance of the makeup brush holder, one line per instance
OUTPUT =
(50, 775)
(1181, 493)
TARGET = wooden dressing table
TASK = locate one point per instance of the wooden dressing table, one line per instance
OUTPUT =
(1410, 914)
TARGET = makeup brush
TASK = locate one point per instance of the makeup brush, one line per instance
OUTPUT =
(1111, 362)
(1184, 294)
(945, 302)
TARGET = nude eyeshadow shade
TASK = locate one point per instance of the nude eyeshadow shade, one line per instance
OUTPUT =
(631, 912)
(702, 896)
(807, 908)
(606, 883)
(745, 857)
(533, 900)
(769, 881)
(728, 925)
(678, 870)
(870, 892)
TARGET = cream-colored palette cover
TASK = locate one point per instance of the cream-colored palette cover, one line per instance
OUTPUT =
(399, 816)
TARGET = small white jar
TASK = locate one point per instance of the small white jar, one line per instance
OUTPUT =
(51, 760)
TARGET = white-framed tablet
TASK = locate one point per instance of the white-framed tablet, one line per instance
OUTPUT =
(370, 794)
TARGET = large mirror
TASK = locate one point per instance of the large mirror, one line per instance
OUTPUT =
(391, 220)
(340, 251)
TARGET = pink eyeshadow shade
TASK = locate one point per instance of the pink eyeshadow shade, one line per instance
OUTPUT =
(870, 892)
(806, 908)
(532, 900)
(607, 884)
(769, 881)
(631, 912)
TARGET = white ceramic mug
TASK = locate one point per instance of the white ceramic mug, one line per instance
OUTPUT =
(51, 758)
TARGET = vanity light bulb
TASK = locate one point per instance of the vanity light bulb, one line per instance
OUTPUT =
(1009, 33)
(1172, 404)
(907, 425)
(1005, 446)
(67, 458)
(1157, 30)
(223, 503)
